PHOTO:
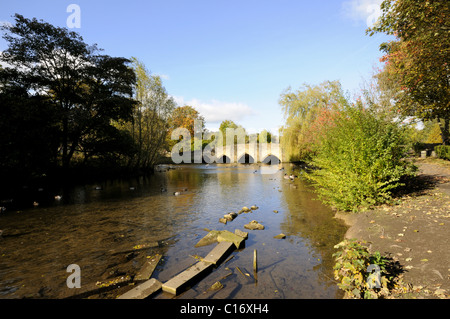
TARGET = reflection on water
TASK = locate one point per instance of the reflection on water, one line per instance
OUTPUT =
(95, 228)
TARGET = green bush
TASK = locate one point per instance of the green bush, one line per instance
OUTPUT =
(359, 160)
(353, 261)
(442, 151)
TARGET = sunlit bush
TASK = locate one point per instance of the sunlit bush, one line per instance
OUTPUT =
(359, 158)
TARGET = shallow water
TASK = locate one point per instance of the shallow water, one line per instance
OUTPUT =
(95, 228)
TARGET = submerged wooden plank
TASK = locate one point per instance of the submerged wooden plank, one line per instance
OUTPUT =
(180, 282)
(143, 291)
(220, 252)
(147, 270)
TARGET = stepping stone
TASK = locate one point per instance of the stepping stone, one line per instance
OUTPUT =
(143, 291)
(220, 252)
(254, 225)
(215, 236)
(180, 282)
(241, 233)
(227, 236)
(147, 270)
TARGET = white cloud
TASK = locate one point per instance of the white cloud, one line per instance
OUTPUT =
(215, 111)
(362, 10)
(163, 76)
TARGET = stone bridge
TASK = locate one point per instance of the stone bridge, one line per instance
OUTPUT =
(268, 153)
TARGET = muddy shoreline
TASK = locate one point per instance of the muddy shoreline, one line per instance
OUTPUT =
(414, 232)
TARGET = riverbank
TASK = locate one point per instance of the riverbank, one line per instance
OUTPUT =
(415, 232)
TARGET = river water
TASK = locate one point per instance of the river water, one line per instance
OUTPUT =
(95, 226)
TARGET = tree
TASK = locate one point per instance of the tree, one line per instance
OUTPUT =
(185, 117)
(240, 134)
(301, 108)
(28, 134)
(88, 90)
(148, 126)
(264, 137)
(360, 159)
(416, 62)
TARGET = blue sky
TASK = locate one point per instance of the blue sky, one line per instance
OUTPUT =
(229, 59)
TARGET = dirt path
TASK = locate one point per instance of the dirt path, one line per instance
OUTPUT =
(415, 232)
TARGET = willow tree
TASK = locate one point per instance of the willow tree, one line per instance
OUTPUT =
(301, 109)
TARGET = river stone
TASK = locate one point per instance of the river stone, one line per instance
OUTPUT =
(223, 220)
(245, 209)
(230, 216)
(254, 207)
(280, 236)
(254, 225)
(216, 286)
(225, 235)
(209, 239)
(241, 233)
(215, 236)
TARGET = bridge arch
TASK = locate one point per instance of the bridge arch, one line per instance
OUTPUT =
(223, 159)
(271, 159)
(246, 159)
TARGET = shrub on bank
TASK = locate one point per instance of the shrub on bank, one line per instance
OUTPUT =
(359, 159)
(361, 274)
(442, 151)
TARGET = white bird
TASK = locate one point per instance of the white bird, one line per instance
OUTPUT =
(58, 197)
(177, 193)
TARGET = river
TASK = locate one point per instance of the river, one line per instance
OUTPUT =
(91, 224)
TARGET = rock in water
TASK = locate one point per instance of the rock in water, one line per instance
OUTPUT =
(216, 286)
(215, 236)
(280, 236)
(209, 239)
(225, 235)
(254, 225)
(241, 233)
